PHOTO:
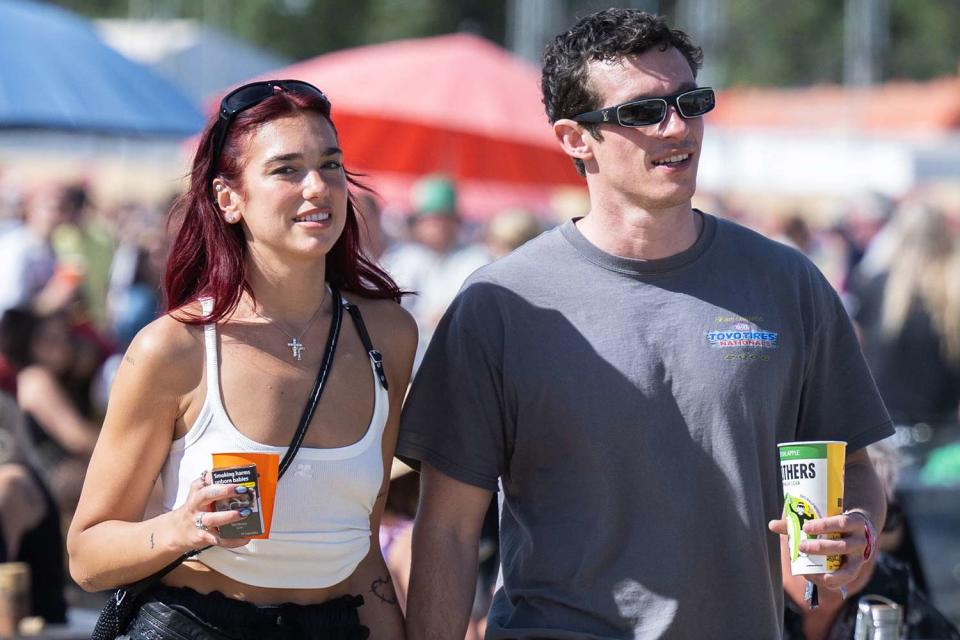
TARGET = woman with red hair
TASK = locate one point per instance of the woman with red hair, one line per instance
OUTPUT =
(266, 268)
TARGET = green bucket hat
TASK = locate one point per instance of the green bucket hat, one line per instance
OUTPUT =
(434, 195)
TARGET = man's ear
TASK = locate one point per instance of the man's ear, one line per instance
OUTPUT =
(228, 201)
(572, 137)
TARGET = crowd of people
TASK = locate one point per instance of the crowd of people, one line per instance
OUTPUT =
(555, 362)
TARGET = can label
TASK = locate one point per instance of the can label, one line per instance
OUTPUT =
(812, 477)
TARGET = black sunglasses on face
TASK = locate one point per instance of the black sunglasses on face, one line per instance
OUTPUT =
(647, 111)
(250, 95)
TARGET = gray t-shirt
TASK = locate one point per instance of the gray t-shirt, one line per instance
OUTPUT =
(631, 410)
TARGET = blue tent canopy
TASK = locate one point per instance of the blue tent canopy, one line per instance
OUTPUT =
(56, 73)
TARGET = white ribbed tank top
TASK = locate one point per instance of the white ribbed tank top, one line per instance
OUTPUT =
(321, 520)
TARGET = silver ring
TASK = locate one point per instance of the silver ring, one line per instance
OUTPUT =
(198, 523)
(203, 477)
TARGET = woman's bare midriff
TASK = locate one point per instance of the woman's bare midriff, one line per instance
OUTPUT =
(203, 579)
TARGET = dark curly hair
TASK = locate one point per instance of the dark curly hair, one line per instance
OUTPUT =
(605, 35)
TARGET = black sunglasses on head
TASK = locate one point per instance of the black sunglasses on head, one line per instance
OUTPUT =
(250, 95)
(644, 112)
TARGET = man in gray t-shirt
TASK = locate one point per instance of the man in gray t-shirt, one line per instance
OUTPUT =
(625, 379)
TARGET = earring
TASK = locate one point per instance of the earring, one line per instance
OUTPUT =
(231, 218)
(219, 187)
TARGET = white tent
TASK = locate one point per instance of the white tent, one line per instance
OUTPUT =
(201, 60)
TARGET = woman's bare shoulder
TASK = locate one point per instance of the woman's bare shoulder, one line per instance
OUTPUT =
(387, 318)
(169, 348)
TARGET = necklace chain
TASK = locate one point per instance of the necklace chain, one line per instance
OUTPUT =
(296, 346)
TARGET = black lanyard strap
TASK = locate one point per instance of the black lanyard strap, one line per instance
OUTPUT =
(318, 387)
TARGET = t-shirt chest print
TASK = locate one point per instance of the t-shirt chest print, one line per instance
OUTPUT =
(742, 338)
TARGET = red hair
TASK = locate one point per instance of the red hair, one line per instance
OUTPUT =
(208, 256)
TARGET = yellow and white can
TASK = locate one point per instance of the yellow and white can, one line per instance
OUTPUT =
(812, 477)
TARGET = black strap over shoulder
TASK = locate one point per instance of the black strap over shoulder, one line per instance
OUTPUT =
(325, 366)
(375, 355)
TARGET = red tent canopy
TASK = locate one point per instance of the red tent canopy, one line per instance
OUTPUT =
(896, 108)
(453, 104)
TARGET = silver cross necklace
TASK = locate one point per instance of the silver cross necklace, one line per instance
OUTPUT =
(296, 345)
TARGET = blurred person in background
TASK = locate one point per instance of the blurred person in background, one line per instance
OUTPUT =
(908, 314)
(133, 293)
(9, 201)
(29, 519)
(434, 263)
(835, 618)
(909, 319)
(861, 225)
(627, 375)
(824, 247)
(84, 244)
(27, 258)
(508, 230)
(268, 239)
(375, 238)
(795, 231)
(42, 351)
(134, 298)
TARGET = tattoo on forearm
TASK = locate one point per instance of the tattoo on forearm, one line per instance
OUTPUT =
(151, 540)
(130, 359)
(383, 589)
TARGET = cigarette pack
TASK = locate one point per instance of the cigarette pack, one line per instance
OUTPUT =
(242, 476)
(267, 469)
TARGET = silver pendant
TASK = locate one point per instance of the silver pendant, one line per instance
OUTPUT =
(296, 347)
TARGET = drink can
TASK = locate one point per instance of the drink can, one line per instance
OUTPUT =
(878, 618)
(812, 477)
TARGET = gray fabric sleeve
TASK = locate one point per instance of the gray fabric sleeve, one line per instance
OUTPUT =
(453, 417)
(840, 400)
